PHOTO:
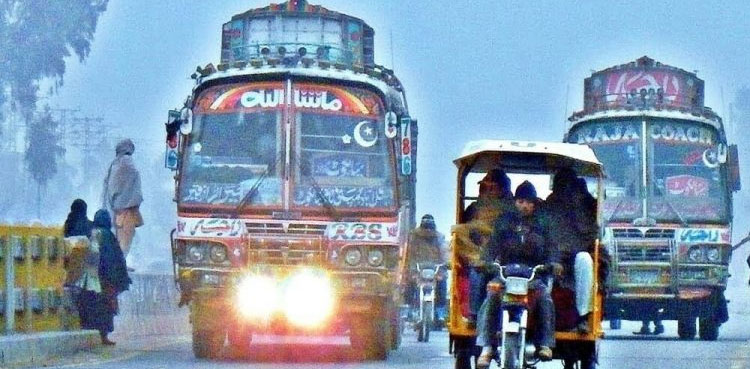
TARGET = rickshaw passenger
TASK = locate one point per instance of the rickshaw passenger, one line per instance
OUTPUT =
(521, 238)
(575, 230)
(495, 199)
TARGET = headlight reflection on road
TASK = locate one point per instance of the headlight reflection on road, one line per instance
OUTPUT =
(308, 299)
(257, 297)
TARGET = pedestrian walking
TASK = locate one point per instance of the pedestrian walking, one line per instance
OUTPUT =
(105, 277)
(121, 194)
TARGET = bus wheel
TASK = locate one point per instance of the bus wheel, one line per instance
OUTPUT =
(207, 344)
(686, 328)
(708, 329)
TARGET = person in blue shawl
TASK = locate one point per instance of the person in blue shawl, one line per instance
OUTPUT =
(113, 275)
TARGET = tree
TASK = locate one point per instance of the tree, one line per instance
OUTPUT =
(43, 152)
(35, 38)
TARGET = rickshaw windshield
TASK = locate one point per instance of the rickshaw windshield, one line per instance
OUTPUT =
(542, 183)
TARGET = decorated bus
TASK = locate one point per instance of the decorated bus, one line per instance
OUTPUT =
(667, 211)
(294, 163)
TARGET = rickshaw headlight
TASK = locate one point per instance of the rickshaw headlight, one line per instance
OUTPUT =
(713, 254)
(218, 253)
(375, 257)
(695, 254)
(195, 253)
(353, 256)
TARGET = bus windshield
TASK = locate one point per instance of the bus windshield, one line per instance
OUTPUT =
(688, 184)
(234, 152)
(344, 160)
(618, 147)
(684, 180)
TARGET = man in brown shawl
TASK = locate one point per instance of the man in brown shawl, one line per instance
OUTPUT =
(121, 195)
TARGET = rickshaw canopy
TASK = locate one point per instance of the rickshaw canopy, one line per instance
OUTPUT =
(529, 156)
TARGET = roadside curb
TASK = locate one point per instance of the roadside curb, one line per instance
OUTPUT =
(20, 349)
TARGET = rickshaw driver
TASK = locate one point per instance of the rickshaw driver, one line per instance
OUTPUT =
(521, 238)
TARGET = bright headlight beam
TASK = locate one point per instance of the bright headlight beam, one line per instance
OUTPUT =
(308, 299)
(257, 297)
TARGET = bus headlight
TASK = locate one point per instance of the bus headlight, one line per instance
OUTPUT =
(375, 257)
(353, 256)
(218, 253)
(695, 254)
(257, 297)
(713, 254)
(195, 253)
(308, 299)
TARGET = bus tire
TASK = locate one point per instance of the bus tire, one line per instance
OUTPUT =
(396, 328)
(708, 329)
(239, 339)
(370, 338)
(207, 344)
(686, 328)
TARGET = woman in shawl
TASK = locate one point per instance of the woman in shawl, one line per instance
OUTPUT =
(77, 224)
(77, 230)
(112, 272)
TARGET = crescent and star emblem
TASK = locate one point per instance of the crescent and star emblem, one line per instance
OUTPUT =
(364, 134)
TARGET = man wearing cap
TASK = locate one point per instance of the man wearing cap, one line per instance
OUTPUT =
(471, 237)
(494, 196)
(520, 237)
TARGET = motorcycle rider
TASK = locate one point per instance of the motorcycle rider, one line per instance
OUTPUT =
(520, 237)
(426, 245)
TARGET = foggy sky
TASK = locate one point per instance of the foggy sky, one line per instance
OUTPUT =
(472, 69)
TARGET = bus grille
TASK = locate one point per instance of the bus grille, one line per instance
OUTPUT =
(649, 253)
(303, 229)
(637, 233)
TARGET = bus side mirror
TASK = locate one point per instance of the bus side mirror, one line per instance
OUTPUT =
(171, 157)
(733, 168)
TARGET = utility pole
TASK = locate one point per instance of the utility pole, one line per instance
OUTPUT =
(63, 114)
(92, 137)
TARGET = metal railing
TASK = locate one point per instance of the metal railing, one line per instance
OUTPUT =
(32, 294)
(649, 100)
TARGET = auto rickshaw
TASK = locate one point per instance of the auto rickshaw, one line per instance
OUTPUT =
(536, 162)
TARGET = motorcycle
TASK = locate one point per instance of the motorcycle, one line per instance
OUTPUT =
(426, 274)
(515, 352)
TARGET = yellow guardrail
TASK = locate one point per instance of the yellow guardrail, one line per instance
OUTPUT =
(31, 284)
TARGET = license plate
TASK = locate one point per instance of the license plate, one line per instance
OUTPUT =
(644, 276)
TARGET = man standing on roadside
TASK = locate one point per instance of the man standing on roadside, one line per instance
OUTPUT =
(122, 195)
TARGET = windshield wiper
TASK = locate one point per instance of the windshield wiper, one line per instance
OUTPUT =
(251, 193)
(255, 188)
(679, 216)
(304, 165)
